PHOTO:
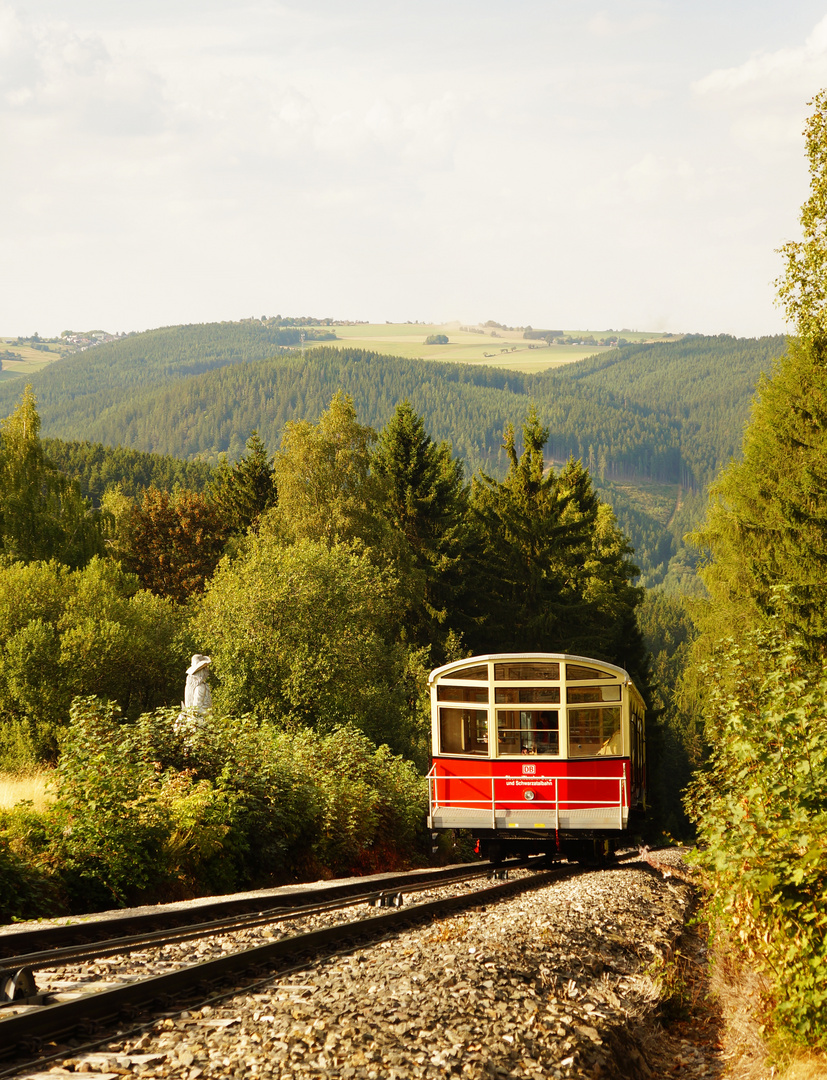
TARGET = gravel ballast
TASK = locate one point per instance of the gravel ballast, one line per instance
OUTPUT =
(559, 982)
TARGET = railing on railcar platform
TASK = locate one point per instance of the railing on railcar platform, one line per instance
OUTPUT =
(490, 803)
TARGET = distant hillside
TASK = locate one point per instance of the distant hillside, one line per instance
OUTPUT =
(653, 422)
(705, 382)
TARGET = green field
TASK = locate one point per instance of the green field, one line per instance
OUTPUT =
(494, 347)
(31, 360)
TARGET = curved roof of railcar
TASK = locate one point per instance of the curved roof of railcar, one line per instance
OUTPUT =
(469, 661)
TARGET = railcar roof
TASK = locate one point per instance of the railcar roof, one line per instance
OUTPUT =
(471, 660)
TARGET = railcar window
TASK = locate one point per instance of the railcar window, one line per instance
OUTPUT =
(594, 731)
(462, 693)
(593, 693)
(463, 731)
(526, 672)
(574, 671)
(527, 695)
(473, 674)
(528, 731)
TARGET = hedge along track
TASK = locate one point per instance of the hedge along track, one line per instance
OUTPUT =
(85, 1016)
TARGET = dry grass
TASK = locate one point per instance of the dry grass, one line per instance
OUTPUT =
(812, 1068)
(26, 787)
(742, 995)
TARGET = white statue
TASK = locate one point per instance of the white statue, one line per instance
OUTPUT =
(197, 696)
(197, 693)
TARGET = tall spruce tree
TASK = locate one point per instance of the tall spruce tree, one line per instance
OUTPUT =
(244, 491)
(766, 527)
(552, 569)
(422, 496)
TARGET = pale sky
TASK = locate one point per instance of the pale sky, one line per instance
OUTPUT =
(563, 163)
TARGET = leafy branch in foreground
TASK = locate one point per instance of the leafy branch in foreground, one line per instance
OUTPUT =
(761, 814)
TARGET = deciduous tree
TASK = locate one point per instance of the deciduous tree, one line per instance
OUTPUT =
(173, 542)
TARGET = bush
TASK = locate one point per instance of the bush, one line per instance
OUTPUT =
(436, 339)
(761, 814)
(147, 812)
(27, 887)
(65, 633)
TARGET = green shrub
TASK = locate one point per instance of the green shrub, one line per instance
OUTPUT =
(110, 826)
(373, 803)
(149, 810)
(761, 814)
(26, 886)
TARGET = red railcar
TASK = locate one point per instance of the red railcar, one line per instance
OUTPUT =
(538, 752)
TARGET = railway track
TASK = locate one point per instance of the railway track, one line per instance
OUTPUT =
(86, 931)
(36, 1019)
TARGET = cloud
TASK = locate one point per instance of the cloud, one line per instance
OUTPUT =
(765, 73)
(20, 64)
(647, 17)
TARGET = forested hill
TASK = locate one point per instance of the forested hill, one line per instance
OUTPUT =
(705, 382)
(664, 414)
(87, 383)
(668, 412)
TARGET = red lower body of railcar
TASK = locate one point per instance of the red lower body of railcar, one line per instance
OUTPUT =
(563, 807)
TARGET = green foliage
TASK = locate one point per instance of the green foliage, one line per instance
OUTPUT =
(96, 467)
(761, 808)
(304, 634)
(674, 740)
(766, 521)
(761, 814)
(372, 803)
(422, 497)
(552, 570)
(436, 339)
(147, 811)
(322, 475)
(28, 889)
(107, 829)
(42, 513)
(801, 290)
(243, 492)
(66, 632)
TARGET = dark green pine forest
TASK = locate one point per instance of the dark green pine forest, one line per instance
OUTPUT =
(652, 423)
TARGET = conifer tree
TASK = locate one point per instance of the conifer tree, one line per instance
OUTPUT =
(766, 527)
(244, 491)
(42, 513)
(422, 496)
(553, 572)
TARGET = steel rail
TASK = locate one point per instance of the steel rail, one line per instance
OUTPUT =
(230, 924)
(59, 935)
(31, 1028)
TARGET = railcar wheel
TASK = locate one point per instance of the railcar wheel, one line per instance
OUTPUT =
(493, 850)
(589, 852)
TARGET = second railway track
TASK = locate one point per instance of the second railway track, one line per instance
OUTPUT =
(41, 1016)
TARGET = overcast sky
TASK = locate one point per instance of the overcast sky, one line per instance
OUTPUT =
(564, 163)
